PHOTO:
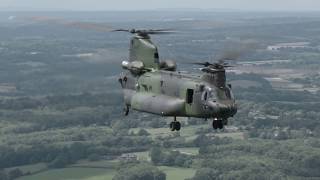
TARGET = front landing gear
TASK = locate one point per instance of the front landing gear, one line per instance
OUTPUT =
(175, 125)
(218, 123)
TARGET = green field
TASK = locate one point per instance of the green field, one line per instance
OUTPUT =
(189, 151)
(74, 173)
(235, 135)
(177, 173)
(31, 168)
(100, 170)
(186, 131)
(189, 132)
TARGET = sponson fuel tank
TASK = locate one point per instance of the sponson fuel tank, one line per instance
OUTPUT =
(158, 104)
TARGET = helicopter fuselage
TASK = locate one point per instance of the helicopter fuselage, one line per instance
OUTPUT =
(177, 94)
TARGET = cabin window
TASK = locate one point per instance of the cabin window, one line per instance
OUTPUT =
(189, 96)
(228, 93)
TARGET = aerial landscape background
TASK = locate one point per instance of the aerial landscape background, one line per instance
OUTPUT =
(61, 103)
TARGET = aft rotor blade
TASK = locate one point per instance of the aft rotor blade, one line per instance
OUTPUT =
(237, 49)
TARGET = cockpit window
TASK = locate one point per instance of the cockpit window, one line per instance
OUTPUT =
(228, 94)
(205, 96)
(217, 94)
(221, 94)
(212, 95)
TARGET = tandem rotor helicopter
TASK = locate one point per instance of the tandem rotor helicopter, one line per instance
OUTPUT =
(153, 86)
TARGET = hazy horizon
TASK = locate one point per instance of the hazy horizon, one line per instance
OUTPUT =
(124, 5)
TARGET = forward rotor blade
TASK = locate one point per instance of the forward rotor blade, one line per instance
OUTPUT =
(144, 32)
(121, 30)
(74, 24)
(206, 64)
(228, 66)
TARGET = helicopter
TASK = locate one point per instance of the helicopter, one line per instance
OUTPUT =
(153, 86)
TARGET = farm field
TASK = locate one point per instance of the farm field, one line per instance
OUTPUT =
(93, 172)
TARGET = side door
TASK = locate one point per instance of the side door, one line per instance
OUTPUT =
(189, 99)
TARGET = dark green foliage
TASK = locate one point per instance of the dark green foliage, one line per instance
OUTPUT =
(143, 132)
(15, 173)
(67, 108)
(139, 172)
(157, 123)
(59, 156)
(94, 157)
(250, 159)
(203, 140)
(156, 155)
(160, 156)
(3, 175)
(206, 174)
(60, 161)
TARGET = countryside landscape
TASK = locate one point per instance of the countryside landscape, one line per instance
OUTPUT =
(61, 103)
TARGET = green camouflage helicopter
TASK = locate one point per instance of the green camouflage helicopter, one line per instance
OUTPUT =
(157, 87)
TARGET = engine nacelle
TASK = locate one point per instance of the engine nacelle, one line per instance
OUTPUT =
(168, 65)
(136, 67)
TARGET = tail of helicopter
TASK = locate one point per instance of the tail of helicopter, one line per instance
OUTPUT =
(142, 49)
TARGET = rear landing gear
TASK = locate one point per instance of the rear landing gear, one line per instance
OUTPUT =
(126, 110)
(218, 123)
(175, 125)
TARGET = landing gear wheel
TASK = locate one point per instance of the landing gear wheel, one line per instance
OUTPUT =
(175, 126)
(126, 110)
(225, 122)
(220, 124)
(217, 124)
(172, 126)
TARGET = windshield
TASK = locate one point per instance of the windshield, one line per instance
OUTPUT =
(221, 94)
(217, 94)
(209, 95)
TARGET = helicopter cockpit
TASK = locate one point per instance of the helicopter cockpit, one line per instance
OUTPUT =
(213, 95)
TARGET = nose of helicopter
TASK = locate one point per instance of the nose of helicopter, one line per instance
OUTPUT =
(233, 109)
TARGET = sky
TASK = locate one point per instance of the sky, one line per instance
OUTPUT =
(94, 5)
